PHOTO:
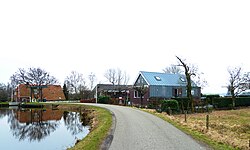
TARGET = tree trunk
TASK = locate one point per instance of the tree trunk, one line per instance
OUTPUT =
(233, 101)
(41, 94)
(233, 98)
(141, 101)
(189, 92)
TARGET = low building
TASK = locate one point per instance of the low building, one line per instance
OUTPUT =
(120, 94)
(25, 92)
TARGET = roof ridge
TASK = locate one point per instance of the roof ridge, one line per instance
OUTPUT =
(161, 73)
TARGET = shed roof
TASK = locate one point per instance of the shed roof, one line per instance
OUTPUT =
(110, 87)
(156, 78)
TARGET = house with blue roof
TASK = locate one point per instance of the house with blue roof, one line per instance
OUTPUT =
(163, 86)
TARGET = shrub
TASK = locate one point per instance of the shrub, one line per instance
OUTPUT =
(211, 97)
(154, 103)
(222, 102)
(168, 105)
(88, 100)
(104, 100)
(226, 102)
(242, 101)
(183, 103)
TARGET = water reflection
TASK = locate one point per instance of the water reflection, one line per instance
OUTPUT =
(72, 124)
(33, 124)
(37, 124)
(3, 113)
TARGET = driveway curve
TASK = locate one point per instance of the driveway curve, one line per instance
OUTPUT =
(138, 130)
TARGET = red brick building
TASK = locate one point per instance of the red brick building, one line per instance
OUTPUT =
(36, 115)
(25, 92)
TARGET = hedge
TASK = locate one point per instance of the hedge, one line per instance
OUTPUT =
(104, 100)
(225, 102)
(242, 101)
(170, 104)
(218, 102)
(183, 102)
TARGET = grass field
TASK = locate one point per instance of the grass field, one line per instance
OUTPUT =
(228, 129)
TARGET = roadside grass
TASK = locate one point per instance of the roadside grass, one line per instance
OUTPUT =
(33, 103)
(4, 103)
(228, 129)
(101, 125)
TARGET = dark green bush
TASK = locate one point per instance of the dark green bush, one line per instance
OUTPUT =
(242, 101)
(211, 96)
(226, 102)
(104, 100)
(183, 103)
(154, 103)
(222, 102)
(168, 105)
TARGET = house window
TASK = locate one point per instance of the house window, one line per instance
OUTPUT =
(137, 94)
(157, 78)
(192, 92)
(182, 79)
(177, 92)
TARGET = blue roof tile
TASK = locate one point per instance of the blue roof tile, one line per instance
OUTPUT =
(156, 78)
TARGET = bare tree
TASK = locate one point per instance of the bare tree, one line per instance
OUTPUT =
(199, 79)
(76, 84)
(119, 76)
(173, 69)
(14, 81)
(111, 76)
(126, 78)
(92, 79)
(3, 92)
(116, 76)
(245, 85)
(33, 76)
(189, 72)
(235, 80)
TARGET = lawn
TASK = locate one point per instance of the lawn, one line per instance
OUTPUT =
(228, 129)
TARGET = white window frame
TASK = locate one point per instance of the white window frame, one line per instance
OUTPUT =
(137, 95)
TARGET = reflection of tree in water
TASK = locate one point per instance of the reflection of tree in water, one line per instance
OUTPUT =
(33, 131)
(72, 122)
(30, 124)
(4, 112)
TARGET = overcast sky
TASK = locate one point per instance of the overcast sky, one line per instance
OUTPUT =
(133, 35)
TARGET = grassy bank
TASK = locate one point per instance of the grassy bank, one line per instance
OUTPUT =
(100, 127)
(4, 104)
(227, 129)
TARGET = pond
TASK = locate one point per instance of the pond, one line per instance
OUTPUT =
(28, 129)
